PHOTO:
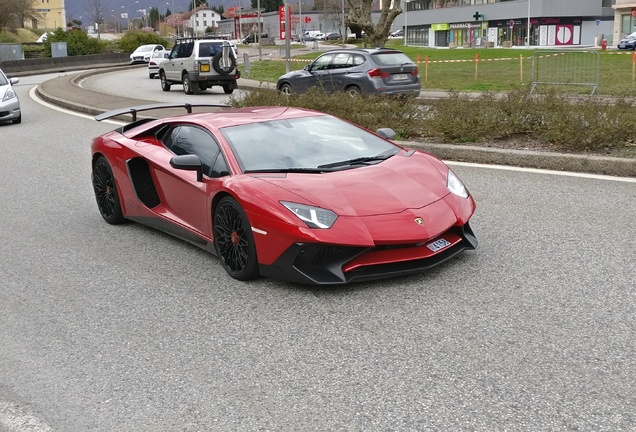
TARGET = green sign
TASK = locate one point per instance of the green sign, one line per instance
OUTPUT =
(438, 27)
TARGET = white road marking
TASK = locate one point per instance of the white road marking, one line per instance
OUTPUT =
(35, 97)
(544, 171)
(15, 419)
(467, 164)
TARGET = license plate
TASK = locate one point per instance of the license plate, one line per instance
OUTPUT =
(205, 68)
(438, 245)
(400, 77)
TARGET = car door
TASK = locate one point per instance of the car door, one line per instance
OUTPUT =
(186, 200)
(318, 74)
(339, 69)
(180, 53)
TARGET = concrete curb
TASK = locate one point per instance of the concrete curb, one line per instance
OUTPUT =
(60, 92)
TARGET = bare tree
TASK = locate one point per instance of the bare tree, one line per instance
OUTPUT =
(360, 16)
(96, 11)
(13, 13)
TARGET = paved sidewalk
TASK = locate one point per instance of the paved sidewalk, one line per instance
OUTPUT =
(64, 92)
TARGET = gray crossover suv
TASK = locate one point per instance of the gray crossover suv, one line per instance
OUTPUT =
(199, 64)
(355, 71)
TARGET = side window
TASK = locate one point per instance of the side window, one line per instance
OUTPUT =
(322, 62)
(341, 60)
(358, 59)
(195, 140)
(220, 168)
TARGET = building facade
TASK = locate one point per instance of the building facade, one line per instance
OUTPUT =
(52, 15)
(624, 18)
(472, 23)
(201, 19)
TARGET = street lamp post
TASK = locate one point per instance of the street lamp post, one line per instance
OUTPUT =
(344, 28)
(528, 38)
(406, 21)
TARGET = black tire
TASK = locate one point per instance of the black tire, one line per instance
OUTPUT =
(286, 89)
(234, 240)
(165, 86)
(151, 76)
(228, 88)
(18, 120)
(353, 91)
(220, 68)
(106, 193)
(189, 87)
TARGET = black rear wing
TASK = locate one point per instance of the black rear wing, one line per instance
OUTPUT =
(140, 108)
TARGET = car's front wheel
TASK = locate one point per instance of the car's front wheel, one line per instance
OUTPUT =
(286, 89)
(106, 192)
(234, 240)
(165, 86)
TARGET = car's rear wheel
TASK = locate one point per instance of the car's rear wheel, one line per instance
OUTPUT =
(151, 76)
(228, 88)
(17, 120)
(165, 86)
(353, 91)
(234, 240)
(286, 89)
(189, 87)
(106, 192)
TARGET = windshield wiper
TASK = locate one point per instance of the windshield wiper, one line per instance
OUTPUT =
(317, 170)
(357, 161)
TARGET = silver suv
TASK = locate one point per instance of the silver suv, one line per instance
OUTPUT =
(199, 64)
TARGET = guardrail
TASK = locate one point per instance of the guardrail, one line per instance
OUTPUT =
(61, 64)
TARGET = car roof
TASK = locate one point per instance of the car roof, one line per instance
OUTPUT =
(365, 50)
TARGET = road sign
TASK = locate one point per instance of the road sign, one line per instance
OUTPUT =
(307, 20)
(597, 22)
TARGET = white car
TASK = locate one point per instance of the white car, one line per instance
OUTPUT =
(142, 53)
(9, 102)
(155, 59)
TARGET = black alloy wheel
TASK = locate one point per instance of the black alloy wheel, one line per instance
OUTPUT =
(106, 192)
(234, 241)
(286, 89)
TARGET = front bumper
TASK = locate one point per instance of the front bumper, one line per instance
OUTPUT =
(331, 264)
(10, 110)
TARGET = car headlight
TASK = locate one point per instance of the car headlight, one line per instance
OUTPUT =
(10, 94)
(314, 217)
(455, 185)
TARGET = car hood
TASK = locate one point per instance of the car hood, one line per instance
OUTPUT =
(294, 74)
(627, 40)
(390, 187)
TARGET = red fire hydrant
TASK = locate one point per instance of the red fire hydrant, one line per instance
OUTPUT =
(603, 44)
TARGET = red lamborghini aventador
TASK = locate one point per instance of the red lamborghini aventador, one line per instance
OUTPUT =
(284, 192)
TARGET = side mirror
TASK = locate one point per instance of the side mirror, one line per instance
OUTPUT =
(14, 81)
(307, 68)
(386, 133)
(188, 162)
(166, 55)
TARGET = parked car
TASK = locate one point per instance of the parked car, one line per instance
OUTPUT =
(142, 53)
(199, 64)
(319, 36)
(283, 192)
(9, 102)
(628, 42)
(156, 58)
(397, 34)
(332, 36)
(355, 71)
(251, 38)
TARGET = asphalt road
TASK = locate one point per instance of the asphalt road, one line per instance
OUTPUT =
(136, 82)
(106, 328)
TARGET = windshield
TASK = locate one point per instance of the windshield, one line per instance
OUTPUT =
(3, 80)
(391, 59)
(315, 142)
(145, 48)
